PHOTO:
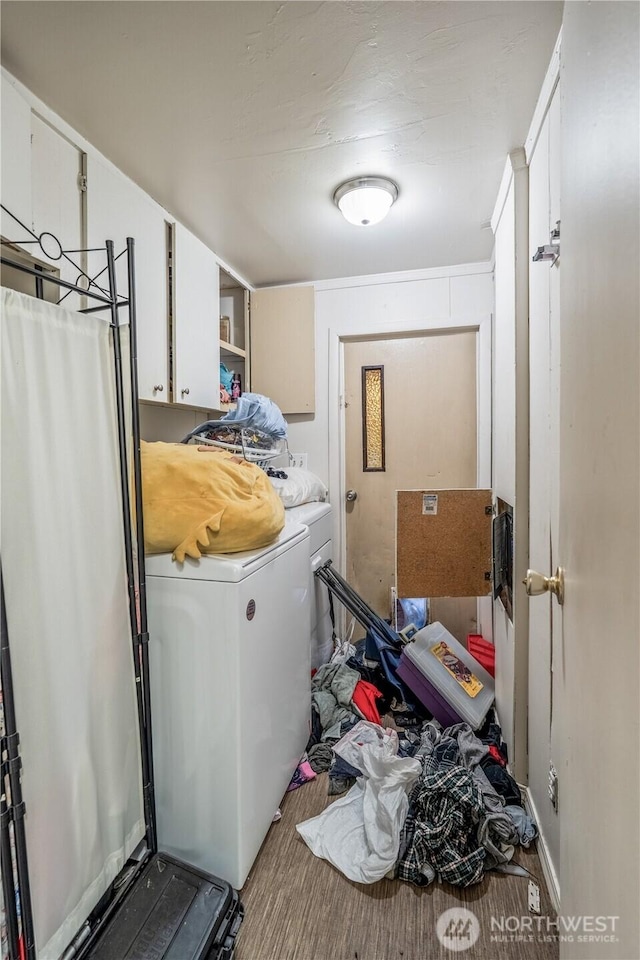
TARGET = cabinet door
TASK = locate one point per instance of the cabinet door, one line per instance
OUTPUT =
(283, 346)
(117, 209)
(196, 322)
(16, 162)
(56, 165)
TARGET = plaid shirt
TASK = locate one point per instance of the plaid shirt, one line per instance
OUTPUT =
(445, 806)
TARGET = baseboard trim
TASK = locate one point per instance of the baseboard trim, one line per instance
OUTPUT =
(550, 875)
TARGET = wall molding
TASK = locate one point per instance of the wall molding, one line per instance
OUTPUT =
(406, 276)
(515, 162)
(548, 869)
(547, 91)
(399, 276)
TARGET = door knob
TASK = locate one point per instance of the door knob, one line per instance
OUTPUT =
(351, 496)
(537, 584)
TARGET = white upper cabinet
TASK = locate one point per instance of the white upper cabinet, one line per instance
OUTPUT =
(117, 209)
(196, 329)
(72, 193)
(16, 161)
(234, 334)
(56, 167)
(283, 346)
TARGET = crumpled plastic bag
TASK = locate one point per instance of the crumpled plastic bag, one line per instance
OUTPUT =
(260, 412)
(360, 833)
(349, 747)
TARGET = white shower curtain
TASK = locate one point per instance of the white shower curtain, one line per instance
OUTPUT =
(65, 583)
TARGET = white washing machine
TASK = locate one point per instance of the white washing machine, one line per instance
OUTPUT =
(318, 518)
(230, 692)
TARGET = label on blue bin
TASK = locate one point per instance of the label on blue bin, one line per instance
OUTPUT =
(458, 670)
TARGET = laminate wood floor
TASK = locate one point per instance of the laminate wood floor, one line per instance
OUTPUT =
(301, 908)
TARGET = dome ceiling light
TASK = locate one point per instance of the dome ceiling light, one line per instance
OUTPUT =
(365, 200)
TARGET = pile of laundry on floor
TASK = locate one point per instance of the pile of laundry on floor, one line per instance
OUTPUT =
(340, 697)
(417, 802)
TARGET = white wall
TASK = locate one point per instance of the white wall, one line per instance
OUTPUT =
(417, 301)
(407, 301)
(599, 474)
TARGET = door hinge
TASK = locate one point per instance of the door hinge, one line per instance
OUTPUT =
(82, 182)
(553, 786)
(550, 251)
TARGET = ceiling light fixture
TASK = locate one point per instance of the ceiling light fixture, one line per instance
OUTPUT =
(365, 200)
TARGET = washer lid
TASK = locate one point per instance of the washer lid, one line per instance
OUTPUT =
(229, 567)
(316, 516)
(307, 513)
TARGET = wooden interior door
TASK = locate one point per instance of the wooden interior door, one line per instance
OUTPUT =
(430, 440)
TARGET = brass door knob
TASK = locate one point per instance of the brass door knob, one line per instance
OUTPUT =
(536, 584)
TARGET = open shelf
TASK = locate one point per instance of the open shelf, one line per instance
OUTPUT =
(231, 348)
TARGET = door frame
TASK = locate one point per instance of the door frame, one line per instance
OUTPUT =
(341, 333)
(545, 98)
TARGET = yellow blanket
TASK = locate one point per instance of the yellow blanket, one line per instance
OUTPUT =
(205, 501)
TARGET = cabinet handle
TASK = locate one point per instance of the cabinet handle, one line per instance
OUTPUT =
(185, 392)
(158, 388)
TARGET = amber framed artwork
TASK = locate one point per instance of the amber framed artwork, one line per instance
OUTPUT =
(373, 418)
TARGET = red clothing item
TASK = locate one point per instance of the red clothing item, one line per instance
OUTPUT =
(497, 756)
(364, 698)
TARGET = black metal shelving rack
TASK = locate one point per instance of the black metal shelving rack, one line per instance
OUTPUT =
(12, 807)
(149, 918)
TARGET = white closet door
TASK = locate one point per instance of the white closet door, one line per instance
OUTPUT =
(56, 165)
(196, 323)
(117, 209)
(16, 161)
(545, 614)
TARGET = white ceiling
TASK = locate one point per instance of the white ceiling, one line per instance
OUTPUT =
(241, 118)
